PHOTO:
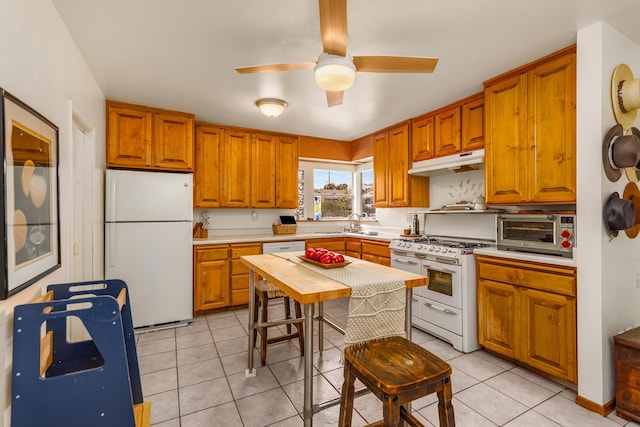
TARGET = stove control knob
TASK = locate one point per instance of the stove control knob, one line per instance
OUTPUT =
(437, 248)
(430, 248)
(419, 247)
(566, 244)
(565, 234)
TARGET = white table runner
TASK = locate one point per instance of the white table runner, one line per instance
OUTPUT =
(377, 303)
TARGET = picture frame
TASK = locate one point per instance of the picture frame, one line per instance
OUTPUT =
(30, 203)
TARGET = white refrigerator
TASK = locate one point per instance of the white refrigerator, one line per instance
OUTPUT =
(148, 243)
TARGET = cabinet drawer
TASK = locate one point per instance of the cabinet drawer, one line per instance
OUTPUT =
(239, 250)
(536, 276)
(212, 253)
(335, 245)
(548, 281)
(237, 267)
(353, 246)
(380, 249)
(240, 282)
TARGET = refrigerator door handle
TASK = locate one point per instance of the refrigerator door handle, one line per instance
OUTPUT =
(112, 205)
(112, 246)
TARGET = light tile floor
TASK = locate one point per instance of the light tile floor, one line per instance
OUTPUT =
(194, 377)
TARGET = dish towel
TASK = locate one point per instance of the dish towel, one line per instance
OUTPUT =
(377, 303)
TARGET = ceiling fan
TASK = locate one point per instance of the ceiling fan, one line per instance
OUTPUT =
(335, 69)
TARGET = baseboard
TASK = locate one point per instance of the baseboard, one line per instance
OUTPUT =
(603, 410)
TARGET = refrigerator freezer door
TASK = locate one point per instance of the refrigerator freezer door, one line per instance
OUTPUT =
(155, 259)
(148, 196)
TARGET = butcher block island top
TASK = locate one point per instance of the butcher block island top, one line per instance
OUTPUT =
(307, 286)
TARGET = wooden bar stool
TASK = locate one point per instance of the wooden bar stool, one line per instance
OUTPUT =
(398, 372)
(264, 292)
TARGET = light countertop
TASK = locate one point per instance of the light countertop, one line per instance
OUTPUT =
(524, 256)
(247, 238)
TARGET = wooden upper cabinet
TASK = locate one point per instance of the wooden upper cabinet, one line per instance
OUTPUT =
(128, 136)
(552, 130)
(393, 186)
(422, 138)
(399, 166)
(505, 150)
(207, 186)
(263, 171)
(140, 137)
(381, 170)
(447, 131)
(472, 119)
(287, 172)
(531, 133)
(173, 141)
(236, 169)
(239, 168)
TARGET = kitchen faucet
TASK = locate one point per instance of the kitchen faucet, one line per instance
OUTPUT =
(354, 222)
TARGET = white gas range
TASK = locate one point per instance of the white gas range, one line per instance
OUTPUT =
(447, 307)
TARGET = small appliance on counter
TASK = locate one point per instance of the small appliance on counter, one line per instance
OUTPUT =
(543, 233)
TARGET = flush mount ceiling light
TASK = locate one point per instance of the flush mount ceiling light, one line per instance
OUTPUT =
(334, 73)
(271, 107)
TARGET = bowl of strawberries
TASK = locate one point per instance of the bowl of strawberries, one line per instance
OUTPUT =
(324, 258)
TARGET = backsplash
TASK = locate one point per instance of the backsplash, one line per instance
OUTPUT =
(456, 187)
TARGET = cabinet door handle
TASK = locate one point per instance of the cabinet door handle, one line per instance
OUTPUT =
(435, 307)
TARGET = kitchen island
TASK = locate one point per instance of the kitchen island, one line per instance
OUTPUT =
(308, 288)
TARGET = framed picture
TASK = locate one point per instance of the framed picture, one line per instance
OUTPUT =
(30, 222)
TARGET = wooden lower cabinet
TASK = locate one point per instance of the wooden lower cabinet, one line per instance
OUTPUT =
(220, 279)
(333, 244)
(353, 247)
(240, 272)
(497, 323)
(527, 311)
(211, 277)
(376, 251)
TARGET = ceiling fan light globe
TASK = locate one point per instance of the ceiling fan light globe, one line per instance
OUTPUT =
(334, 73)
(271, 107)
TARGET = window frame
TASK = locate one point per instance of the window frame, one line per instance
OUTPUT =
(308, 168)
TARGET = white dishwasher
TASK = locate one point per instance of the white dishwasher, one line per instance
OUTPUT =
(273, 247)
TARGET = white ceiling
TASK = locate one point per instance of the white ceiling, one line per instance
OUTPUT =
(181, 55)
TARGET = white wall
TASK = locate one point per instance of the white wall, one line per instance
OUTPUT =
(607, 298)
(42, 66)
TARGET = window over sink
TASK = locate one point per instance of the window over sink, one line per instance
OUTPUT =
(334, 191)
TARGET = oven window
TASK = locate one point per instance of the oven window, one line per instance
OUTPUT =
(440, 282)
(528, 231)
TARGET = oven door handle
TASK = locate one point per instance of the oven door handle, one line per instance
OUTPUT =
(435, 307)
(405, 262)
(442, 270)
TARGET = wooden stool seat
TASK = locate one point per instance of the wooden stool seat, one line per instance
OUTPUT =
(397, 371)
(264, 292)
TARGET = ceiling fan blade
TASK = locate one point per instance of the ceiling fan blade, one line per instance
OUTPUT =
(394, 64)
(334, 98)
(333, 26)
(276, 67)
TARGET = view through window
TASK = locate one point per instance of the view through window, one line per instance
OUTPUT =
(332, 194)
(325, 192)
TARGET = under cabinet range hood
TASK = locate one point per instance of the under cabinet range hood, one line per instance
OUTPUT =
(461, 162)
